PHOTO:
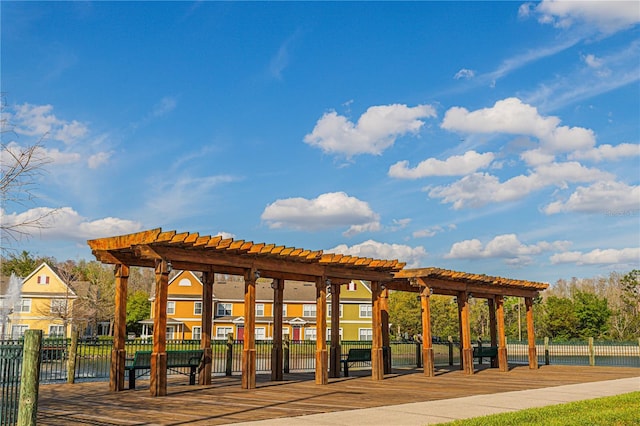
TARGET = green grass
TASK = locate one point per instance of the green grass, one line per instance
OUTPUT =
(621, 410)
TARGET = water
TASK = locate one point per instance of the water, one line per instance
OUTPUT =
(6, 309)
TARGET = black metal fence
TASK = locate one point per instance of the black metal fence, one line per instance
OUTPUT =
(10, 369)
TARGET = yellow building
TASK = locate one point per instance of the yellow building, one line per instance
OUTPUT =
(184, 309)
(44, 302)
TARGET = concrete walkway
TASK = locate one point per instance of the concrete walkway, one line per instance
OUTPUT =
(446, 410)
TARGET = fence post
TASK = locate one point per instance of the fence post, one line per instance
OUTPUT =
(450, 339)
(229, 365)
(71, 359)
(418, 355)
(592, 353)
(285, 355)
(546, 351)
(30, 378)
(480, 349)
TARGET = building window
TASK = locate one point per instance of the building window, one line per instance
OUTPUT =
(43, 279)
(171, 308)
(365, 334)
(284, 309)
(309, 334)
(185, 282)
(260, 333)
(329, 310)
(365, 311)
(197, 308)
(329, 333)
(196, 332)
(285, 332)
(56, 330)
(259, 309)
(308, 310)
(24, 305)
(352, 286)
(223, 332)
(58, 306)
(224, 309)
(171, 329)
(18, 330)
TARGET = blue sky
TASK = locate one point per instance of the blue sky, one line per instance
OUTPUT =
(499, 138)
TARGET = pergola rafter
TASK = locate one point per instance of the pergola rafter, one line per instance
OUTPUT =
(163, 250)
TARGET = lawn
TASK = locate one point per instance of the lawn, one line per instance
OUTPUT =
(621, 410)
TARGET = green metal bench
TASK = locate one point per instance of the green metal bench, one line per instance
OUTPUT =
(190, 358)
(485, 352)
(355, 355)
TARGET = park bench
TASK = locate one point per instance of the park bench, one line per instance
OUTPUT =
(485, 352)
(355, 355)
(190, 359)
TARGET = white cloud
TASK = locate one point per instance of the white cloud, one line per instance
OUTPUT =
(625, 256)
(334, 209)
(96, 160)
(66, 223)
(427, 232)
(464, 73)
(375, 131)
(607, 16)
(164, 107)
(412, 256)
(607, 152)
(478, 189)
(606, 196)
(506, 247)
(512, 116)
(39, 121)
(456, 165)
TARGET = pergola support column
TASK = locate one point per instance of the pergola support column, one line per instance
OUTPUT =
(386, 341)
(377, 358)
(427, 346)
(322, 371)
(249, 343)
(158, 374)
(335, 352)
(118, 353)
(493, 329)
(531, 335)
(465, 328)
(503, 365)
(277, 359)
(204, 376)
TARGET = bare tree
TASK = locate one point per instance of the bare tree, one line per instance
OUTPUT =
(20, 167)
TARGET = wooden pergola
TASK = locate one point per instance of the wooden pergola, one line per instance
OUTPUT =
(164, 250)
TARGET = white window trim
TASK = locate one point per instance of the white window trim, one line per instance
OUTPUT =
(223, 306)
(171, 307)
(370, 332)
(368, 308)
(195, 308)
(259, 307)
(310, 307)
(225, 328)
(21, 303)
(193, 332)
(329, 310)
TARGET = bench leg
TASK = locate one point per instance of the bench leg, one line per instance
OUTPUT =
(346, 369)
(132, 379)
(192, 375)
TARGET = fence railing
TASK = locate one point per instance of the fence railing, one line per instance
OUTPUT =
(10, 370)
(93, 357)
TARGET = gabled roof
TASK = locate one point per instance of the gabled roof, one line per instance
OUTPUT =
(55, 272)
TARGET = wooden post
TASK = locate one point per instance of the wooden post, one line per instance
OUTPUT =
(335, 352)
(377, 359)
(285, 354)
(118, 353)
(502, 341)
(531, 336)
(592, 353)
(546, 351)
(229, 364)
(276, 351)
(427, 345)
(158, 374)
(30, 378)
(71, 359)
(322, 370)
(249, 343)
(386, 341)
(493, 329)
(467, 350)
(450, 340)
(204, 375)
